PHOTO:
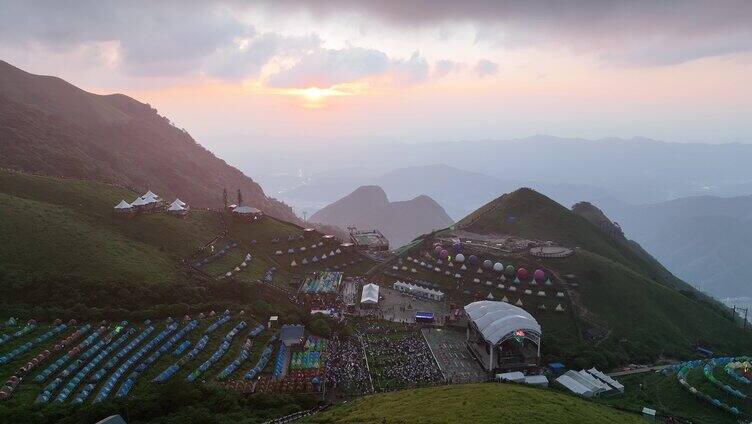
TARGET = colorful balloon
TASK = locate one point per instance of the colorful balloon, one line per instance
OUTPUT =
(539, 275)
(522, 273)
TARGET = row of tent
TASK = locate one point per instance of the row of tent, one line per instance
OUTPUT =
(112, 343)
(47, 372)
(315, 259)
(28, 328)
(519, 275)
(242, 265)
(168, 372)
(149, 200)
(219, 353)
(148, 362)
(418, 291)
(522, 273)
(266, 354)
(589, 383)
(7, 390)
(109, 385)
(279, 365)
(708, 372)
(304, 248)
(244, 355)
(733, 368)
(91, 349)
(682, 371)
(185, 344)
(542, 307)
(13, 354)
(101, 372)
(528, 292)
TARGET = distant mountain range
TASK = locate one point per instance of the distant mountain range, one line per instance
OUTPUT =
(369, 208)
(457, 190)
(705, 240)
(51, 127)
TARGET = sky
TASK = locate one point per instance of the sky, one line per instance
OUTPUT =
(240, 75)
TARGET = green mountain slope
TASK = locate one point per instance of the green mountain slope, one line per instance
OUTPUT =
(67, 227)
(527, 213)
(473, 403)
(622, 306)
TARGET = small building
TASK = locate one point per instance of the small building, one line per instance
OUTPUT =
(370, 295)
(247, 213)
(292, 335)
(372, 240)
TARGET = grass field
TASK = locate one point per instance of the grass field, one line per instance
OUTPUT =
(473, 403)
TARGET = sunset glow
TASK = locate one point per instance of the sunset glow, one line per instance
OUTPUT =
(423, 78)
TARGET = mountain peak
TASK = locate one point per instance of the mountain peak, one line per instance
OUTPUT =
(369, 208)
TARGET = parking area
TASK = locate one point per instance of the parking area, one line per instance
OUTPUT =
(453, 357)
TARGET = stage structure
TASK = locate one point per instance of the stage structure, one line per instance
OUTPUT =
(502, 337)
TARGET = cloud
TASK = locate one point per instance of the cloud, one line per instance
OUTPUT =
(153, 39)
(327, 67)
(485, 68)
(411, 71)
(445, 67)
(638, 32)
(247, 58)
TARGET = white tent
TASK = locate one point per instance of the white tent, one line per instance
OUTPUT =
(123, 205)
(149, 194)
(606, 379)
(370, 295)
(574, 386)
(175, 207)
(180, 202)
(536, 380)
(514, 377)
(139, 202)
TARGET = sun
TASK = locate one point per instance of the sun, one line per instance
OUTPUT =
(315, 97)
(314, 94)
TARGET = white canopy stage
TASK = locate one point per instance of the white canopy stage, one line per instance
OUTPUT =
(370, 295)
(502, 336)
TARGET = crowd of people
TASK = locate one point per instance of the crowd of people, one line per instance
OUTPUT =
(345, 367)
(398, 356)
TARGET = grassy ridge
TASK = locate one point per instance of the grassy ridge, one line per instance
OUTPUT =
(54, 226)
(473, 403)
